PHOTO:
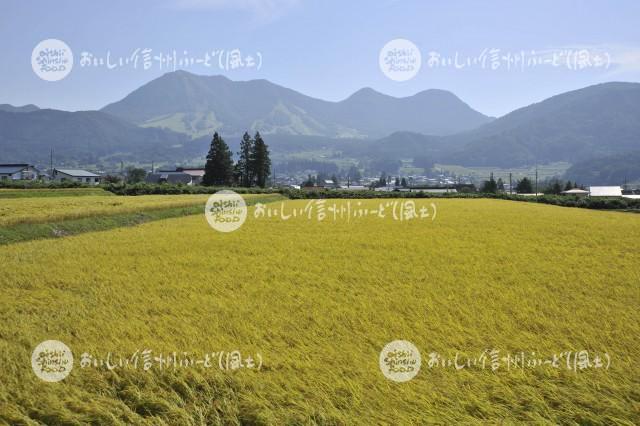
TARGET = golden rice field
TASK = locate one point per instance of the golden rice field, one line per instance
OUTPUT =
(51, 209)
(318, 300)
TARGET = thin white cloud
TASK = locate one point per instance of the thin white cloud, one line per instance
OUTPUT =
(258, 10)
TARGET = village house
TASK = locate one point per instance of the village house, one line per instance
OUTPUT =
(76, 175)
(170, 177)
(576, 192)
(196, 174)
(19, 172)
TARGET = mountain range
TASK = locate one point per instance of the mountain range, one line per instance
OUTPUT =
(171, 119)
(199, 105)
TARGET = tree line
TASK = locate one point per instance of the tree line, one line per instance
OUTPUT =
(252, 168)
(526, 186)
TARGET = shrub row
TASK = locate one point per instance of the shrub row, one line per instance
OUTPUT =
(148, 189)
(40, 184)
(556, 200)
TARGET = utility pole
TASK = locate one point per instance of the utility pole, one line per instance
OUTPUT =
(51, 163)
(510, 185)
(536, 180)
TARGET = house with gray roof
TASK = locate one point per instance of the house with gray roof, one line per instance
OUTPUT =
(19, 172)
(170, 177)
(76, 175)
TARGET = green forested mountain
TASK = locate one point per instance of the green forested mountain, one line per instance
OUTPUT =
(199, 105)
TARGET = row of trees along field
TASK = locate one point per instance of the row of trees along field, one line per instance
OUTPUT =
(252, 168)
(526, 186)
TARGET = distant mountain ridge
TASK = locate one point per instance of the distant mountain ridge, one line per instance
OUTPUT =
(83, 137)
(595, 121)
(24, 108)
(596, 128)
(199, 105)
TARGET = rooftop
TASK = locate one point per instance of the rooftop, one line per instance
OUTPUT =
(605, 191)
(77, 172)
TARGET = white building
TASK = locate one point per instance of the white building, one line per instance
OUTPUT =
(605, 191)
(76, 175)
(196, 174)
(575, 191)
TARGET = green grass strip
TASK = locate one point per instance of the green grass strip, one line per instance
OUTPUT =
(64, 192)
(27, 232)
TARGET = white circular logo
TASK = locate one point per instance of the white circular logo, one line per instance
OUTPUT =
(225, 211)
(52, 60)
(400, 361)
(52, 360)
(400, 60)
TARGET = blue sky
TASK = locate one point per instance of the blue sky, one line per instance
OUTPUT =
(327, 49)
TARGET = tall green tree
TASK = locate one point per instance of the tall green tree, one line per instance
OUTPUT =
(554, 186)
(524, 186)
(219, 167)
(353, 175)
(490, 186)
(244, 166)
(135, 174)
(260, 163)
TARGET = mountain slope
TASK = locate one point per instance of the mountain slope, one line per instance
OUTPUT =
(83, 137)
(198, 105)
(24, 108)
(595, 121)
(610, 170)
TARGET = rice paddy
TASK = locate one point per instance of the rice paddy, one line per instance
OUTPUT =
(316, 301)
(51, 209)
